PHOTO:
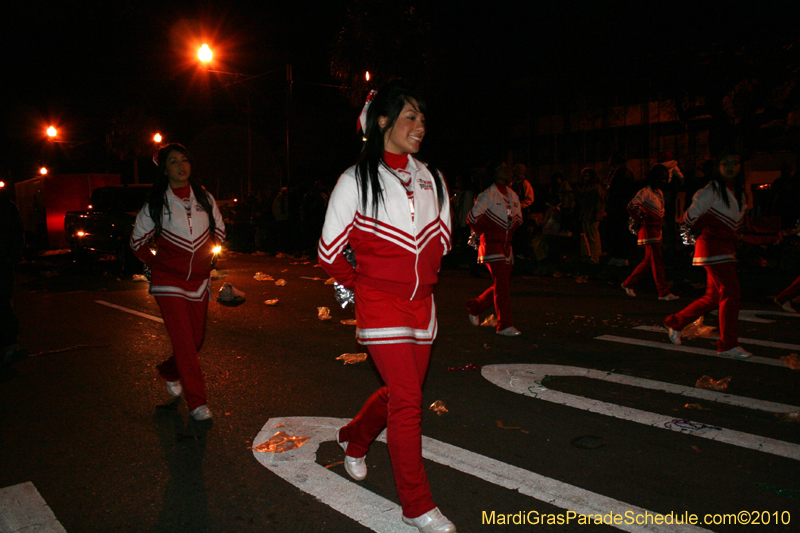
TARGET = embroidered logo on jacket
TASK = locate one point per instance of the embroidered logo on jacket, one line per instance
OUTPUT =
(425, 184)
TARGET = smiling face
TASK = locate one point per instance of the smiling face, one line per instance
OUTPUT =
(178, 169)
(729, 166)
(405, 135)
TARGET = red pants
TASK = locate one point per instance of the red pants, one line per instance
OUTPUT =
(498, 294)
(722, 290)
(653, 260)
(789, 292)
(186, 324)
(397, 407)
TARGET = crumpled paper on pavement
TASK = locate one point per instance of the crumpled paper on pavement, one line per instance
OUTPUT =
(794, 416)
(281, 283)
(792, 361)
(229, 294)
(697, 329)
(707, 383)
(352, 358)
(323, 313)
(348, 321)
(271, 302)
(281, 442)
(260, 276)
(218, 274)
(438, 408)
(490, 320)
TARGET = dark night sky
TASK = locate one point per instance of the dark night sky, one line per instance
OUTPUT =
(79, 63)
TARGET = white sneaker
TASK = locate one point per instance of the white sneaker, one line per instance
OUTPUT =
(628, 291)
(475, 320)
(674, 335)
(786, 306)
(668, 297)
(202, 413)
(356, 467)
(174, 388)
(737, 352)
(431, 522)
(510, 331)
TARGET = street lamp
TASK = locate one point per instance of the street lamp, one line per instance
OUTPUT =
(52, 132)
(205, 55)
(157, 137)
(43, 171)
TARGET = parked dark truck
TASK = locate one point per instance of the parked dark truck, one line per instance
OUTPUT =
(105, 227)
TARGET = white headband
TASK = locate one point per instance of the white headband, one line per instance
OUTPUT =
(362, 119)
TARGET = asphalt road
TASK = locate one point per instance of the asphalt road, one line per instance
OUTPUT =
(86, 420)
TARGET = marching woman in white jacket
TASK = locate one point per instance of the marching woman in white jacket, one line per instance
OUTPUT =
(394, 212)
(183, 221)
(716, 215)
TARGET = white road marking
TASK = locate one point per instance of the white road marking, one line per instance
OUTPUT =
(526, 379)
(299, 467)
(743, 340)
(23, 509)
(689, 349)
(131, 311)
(750, 315)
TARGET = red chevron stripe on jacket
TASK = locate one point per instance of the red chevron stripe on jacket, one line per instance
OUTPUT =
(717, 223)
(395, 252)
(647, 208)
(182, 264)
(494, 217)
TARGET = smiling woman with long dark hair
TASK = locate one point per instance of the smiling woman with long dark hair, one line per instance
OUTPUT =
(394, 212)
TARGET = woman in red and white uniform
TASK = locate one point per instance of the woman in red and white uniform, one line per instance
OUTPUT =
(183, 221)
(716, 215)
(647, 208)
(495, 216)
(394, 213)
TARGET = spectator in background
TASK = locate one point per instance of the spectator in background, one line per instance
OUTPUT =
(524, 191)
(619, 186)
(12, 245)
(591, 200)
(280, 213)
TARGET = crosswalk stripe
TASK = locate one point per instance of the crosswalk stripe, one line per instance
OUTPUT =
(300, 468)
(22, 508)
(526, 379)
(688, 349)
(131, 311)
(743, 340)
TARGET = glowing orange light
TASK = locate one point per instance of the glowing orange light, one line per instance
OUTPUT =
(43, 171)
(204, 53)
(157, 137)
(367, 76)
(80, 233)
(51, 132)
(2, 184)
(216, 249)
